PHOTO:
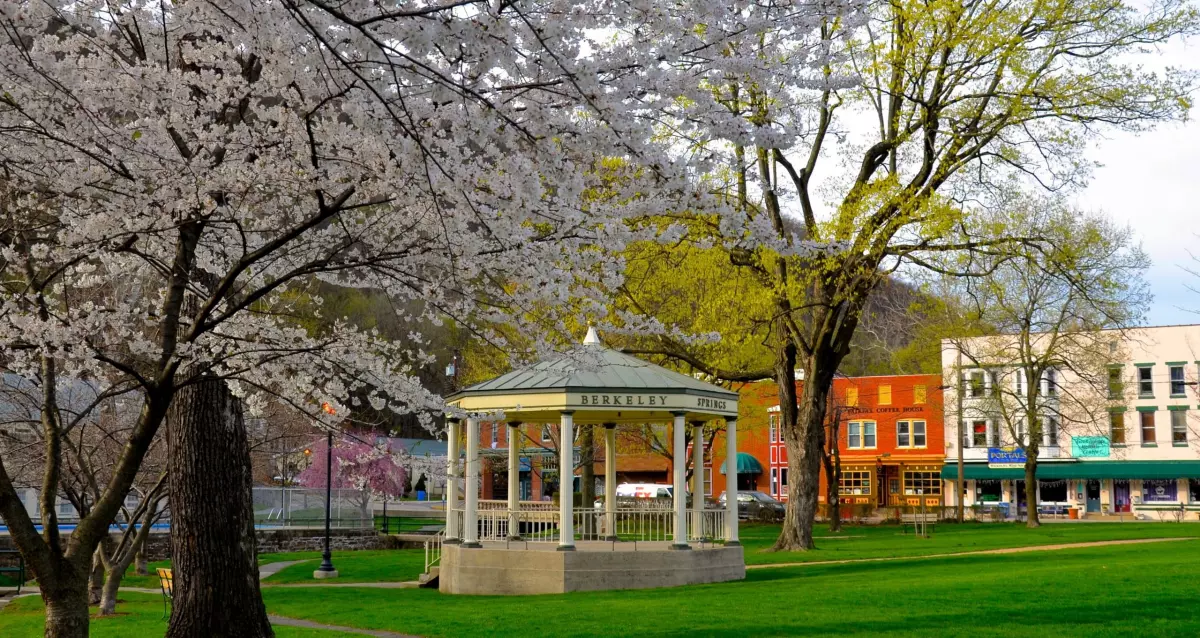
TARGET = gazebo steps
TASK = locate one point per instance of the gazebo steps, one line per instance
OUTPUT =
(429, 580)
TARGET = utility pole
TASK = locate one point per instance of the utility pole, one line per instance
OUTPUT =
(958, 391)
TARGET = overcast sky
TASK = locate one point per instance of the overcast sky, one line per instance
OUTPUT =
(1152, 182)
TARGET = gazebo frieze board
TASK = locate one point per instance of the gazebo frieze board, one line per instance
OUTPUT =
(617, 405)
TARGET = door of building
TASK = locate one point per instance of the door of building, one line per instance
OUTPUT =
(1093, 495)
(1121, 495)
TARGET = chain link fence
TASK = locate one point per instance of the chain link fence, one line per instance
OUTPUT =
(305, 507)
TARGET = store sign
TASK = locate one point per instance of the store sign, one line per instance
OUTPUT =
(1006, 457)
(1090, 447)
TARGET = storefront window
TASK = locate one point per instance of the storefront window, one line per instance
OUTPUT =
(922, 483)
(1194, 490)
(855, 482)
(1158, 491)
(988, 491)
(1053, 491)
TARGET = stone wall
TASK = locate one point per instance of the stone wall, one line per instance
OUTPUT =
(158, 545)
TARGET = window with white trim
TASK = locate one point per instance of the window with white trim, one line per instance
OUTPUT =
(773, 427)
(1145, 382)
(1177, 381)
(774, 481)
(910, 434)
(1179, 433)
(1050, 431)
(546, 433)
(860, 435)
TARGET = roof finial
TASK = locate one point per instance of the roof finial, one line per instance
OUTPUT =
(592, 339)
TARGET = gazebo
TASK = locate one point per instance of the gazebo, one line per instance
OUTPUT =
(528, 548)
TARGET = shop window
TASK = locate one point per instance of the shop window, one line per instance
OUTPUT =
(1194, 490)
(1145, 382)
(855, 482)
(1116, 428)
(885, 395)
(783, 481)
(1177, 381)
(860, 435)
(1159, 490)
(1179, 434)
(916, 483)
(1116, 386)
(774, 481)
(1053, 491)
(988, 491)
(919, 394)
(1147, 422)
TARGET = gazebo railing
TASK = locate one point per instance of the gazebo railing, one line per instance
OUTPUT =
(630, 524)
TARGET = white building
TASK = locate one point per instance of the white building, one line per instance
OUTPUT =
(1123, 440)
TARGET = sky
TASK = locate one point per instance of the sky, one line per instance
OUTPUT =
(1151, 181)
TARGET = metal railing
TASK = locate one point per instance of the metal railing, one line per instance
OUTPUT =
(433, 550)
(629, 524)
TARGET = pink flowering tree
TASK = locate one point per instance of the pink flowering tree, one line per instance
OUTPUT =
(370, 470)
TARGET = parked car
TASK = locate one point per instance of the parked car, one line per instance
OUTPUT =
(755, 504)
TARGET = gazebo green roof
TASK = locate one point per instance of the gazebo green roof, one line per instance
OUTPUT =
(594, 378)
(594, 367)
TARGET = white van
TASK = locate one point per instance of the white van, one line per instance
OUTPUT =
(645, 490)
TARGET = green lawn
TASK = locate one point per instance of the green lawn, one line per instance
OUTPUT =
(371, 566)
(1142, 590)
(879, 541)
(140, 615)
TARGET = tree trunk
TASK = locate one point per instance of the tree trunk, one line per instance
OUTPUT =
(66, 606)
(587, 475)
(1031, 520)
(141, 566)
(112, 583)
(96, 576)
(212, 520)
(832, 482)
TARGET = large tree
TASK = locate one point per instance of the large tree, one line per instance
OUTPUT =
(216, 159)
(1056, 315)
(923, 112)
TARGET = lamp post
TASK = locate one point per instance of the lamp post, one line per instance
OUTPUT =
(326, 569)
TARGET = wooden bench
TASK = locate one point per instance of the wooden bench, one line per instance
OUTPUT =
(18, 568)
(167, 582)
(918, 521)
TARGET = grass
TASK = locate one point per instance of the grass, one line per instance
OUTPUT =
(1143, 590)
(139, 615)
(368, 566)
(880, 541)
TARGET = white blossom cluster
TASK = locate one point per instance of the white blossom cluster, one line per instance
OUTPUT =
(473, 160)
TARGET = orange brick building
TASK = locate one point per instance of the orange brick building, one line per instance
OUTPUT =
(891, 440)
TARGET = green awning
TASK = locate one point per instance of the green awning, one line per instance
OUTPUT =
(746, 464)
(1081, 470)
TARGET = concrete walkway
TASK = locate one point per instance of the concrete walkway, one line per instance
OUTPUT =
(307, 624)
(982, 552)
(270, 569)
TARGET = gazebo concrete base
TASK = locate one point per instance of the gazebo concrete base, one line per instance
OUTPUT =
(536, 568)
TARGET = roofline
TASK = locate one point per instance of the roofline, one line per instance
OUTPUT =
(715, 393)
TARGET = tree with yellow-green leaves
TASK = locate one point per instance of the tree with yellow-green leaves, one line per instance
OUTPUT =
(926, 113)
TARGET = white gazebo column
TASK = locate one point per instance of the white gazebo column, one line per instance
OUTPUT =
(698, 480)
(514, 480)
(471, 507)
(610, 481)
(679, 455)
(731, 482)
(453, 531)
(566, 476)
